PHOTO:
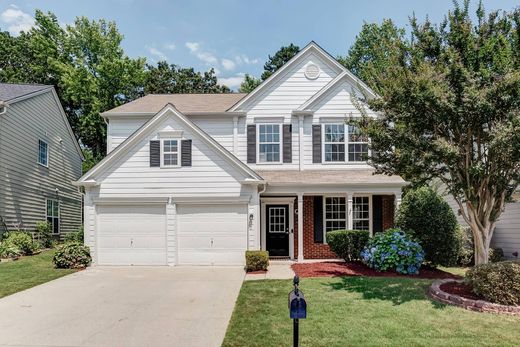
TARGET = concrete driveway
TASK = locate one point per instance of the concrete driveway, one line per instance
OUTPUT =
(124, 306)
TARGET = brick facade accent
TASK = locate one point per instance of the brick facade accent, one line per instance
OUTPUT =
(388, 211)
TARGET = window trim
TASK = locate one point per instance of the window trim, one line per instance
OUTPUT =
(47, 154)
(346, 143)
(55, 201)
(280, 144)
(178, 152)
(325, 214)
(370, 221)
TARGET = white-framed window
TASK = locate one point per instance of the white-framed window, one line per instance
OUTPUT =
(335, 213)
(170, 149)
(343, 143)
(361, 213)
(269, 143)
(43, 153)
(52, 214)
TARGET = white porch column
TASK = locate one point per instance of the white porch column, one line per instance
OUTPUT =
(397, 201)
(350, 213)
(254, 235)
(300, 141)
(171, 232)
(300, 226)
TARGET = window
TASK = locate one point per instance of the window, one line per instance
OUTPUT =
(361, 213)
(43, 153)
(53, 215)
(343, 143)
(269, 143)
(169, 153)
(335, 213)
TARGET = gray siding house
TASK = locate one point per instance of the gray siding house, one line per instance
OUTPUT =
(39, 158)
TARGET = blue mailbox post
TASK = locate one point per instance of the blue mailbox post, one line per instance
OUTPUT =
(297, 308)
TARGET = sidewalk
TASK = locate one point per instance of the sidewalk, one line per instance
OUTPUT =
(278, 270)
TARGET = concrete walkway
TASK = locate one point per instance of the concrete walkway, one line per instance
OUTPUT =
(124, 306)
(278, 270)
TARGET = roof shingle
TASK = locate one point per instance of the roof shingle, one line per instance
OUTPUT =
(354, 176)
(10, 91)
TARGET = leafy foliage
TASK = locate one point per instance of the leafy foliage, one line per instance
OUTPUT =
(76, 236)
(496, 254)
(249, 84)
(348, 244)
(425, 216)
(257, 260)
(282, 56)
(72, 255)
(496, 282)
(9, 251)
(451, 111)
(22, 241)
(467, 249)
(393, 250)
(44, 232)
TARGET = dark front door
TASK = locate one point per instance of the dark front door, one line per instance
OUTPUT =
(277, 229)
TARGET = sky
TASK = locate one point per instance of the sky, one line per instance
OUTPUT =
(234, 37)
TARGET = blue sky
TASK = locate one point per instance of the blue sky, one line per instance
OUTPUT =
(233, 36)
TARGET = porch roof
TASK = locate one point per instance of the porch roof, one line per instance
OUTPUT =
(328, 177)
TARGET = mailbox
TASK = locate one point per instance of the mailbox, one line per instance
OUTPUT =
(297, 305)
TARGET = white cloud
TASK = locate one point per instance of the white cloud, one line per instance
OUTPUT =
(170, 46)
(16, 20)
(217, 71)
(244, 59)
(157, 53)
(228, 64)
(232, 82)
(205, 56)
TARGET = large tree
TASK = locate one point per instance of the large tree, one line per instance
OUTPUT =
(451, 112)
(166, 78)
(249, 84)
(276, 61)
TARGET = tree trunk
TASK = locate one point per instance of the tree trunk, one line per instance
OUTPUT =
(482, 234)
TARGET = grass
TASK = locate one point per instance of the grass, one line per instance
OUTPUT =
(28, 272)
(461, 271)
(362, 311)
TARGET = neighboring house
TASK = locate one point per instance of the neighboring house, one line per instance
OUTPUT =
(200, 178)
(39, 160)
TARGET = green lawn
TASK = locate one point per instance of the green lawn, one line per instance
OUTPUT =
(28, 272)
(362, 311)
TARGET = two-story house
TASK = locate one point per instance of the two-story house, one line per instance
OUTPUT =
(39, 160)
(200, 178)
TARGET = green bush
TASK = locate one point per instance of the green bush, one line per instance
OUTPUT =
(76, 236)
(257, 260)
(393, 250)
(72, 255)
(44, 232)
(466, 247)
(424, 215)
(496, 282)
(495, 255)
(22, 241)
(348, 244)
(9, 251)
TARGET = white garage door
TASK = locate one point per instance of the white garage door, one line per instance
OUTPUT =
(131, 235)
(212, 234)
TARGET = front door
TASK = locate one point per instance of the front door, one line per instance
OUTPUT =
(277, 228)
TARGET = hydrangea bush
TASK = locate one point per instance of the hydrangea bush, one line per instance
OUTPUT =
(393, 250)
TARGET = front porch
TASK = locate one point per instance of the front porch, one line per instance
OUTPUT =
(317, 202)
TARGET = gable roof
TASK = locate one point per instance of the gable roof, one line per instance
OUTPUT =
(167, 110)
(11, 91)
(185, 103)
(314, 47)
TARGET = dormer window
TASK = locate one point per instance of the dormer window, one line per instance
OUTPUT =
(269, 143)
(343, 143)
(169, 152)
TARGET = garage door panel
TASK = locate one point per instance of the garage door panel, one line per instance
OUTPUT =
(131, 235)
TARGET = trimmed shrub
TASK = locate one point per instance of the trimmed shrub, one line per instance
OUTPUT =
(22, 241)
(348, 244)
(9, 251)
(424, 215)
(44, 232)
(76, 236)
(495, 255)
(257, 260)
(496, 282)
(393, 250)
(72, 255)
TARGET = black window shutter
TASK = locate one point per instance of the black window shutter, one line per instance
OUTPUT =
(287, 143)
(318, 219)
(251, 143)
(155, 153)
(316, 143)
(186, 153)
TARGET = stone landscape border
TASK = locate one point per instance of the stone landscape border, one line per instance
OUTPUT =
(437, 294)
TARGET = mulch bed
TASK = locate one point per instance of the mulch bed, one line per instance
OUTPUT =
(460, 289)
(333, 269)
